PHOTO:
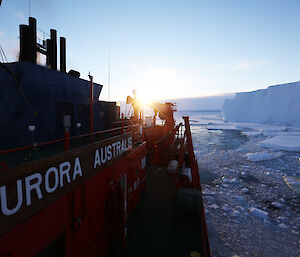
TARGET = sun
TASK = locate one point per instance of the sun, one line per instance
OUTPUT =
(145, 98)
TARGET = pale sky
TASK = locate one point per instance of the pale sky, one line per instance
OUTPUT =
(169, 49)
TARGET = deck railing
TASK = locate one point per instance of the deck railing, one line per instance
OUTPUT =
(74, 140)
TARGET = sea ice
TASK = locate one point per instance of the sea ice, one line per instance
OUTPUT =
(214, 206)
(282, 142)
(226, 180)
(225, 208)
(239, 198)
(282, 225)
(293, 183)
(262, 156)
(249, 208)
(245, 190)
(276, 204)
(236, 213)
(207, 192)
(234, 171)
(258, 213)
(251, 133)
(234, 181)
(222, 126)
(243, 174)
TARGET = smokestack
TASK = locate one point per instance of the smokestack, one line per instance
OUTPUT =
(32, 38)
(52, 50)
(24, 29)
(28, 41)
(48, 45)
(62, 54)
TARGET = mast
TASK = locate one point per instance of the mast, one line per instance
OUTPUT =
(108, 75)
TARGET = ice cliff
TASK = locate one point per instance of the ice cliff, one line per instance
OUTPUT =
(202, 103)
(279, 104)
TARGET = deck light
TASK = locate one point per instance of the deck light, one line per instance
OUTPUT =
(31, 128)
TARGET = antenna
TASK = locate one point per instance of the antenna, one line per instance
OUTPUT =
(29, 7)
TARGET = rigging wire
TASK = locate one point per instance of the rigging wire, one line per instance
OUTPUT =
(129, 111)
(10, 72)
(2, 53)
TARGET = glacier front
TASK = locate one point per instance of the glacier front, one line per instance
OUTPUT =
(279, 104)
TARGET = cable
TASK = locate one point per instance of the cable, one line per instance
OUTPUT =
(2, 53)
(10, 72)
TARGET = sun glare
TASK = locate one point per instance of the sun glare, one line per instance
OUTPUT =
(146, 99)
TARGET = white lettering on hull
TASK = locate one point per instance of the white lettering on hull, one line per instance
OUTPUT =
(50, 189)
(3, 195)
(34, 183)
(97, 159)
(34, 186)
(108, 152)
(38, 185)
(77, 168)
(64, 171)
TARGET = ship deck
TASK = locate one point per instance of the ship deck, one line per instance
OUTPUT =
(13, 159)
(166, 222)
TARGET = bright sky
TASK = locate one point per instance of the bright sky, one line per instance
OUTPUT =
(168, 48)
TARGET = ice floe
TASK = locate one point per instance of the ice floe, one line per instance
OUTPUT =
(221, 126)
(282, 225)
(282, 142)
(258, 213)
(262, 156)
(277, 204)
(293, 183)
(245, 190)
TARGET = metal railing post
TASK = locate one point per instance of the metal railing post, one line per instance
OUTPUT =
(193, 161)
(91, 109)
(67, 125)
(122, 123)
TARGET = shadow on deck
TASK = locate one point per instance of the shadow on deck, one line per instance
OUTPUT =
(165, 222)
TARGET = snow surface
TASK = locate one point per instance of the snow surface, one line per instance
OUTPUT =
(275, 105)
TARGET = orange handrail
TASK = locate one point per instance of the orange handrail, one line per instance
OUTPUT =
(193, 161)
(17, 149)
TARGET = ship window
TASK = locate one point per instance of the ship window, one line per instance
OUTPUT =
(55, 249)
